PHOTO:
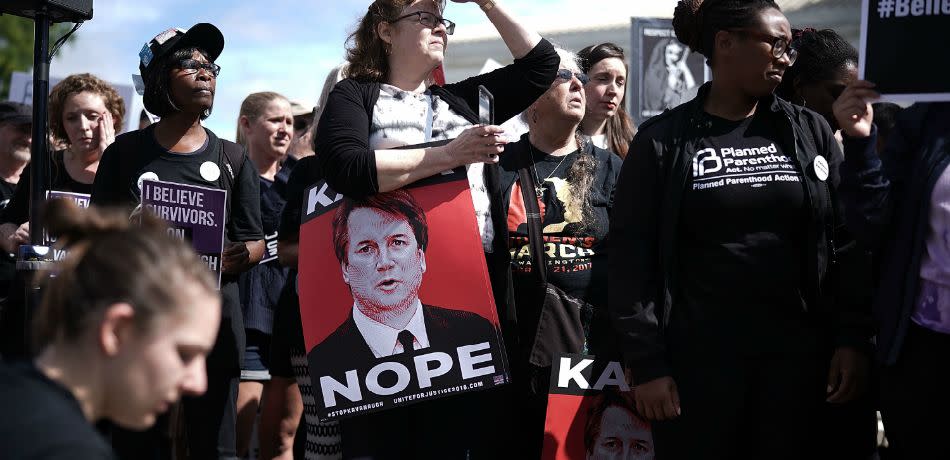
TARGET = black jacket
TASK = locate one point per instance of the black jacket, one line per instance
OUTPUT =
(644, 224)
(887, 201)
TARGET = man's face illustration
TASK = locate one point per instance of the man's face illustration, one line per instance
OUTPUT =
(385, 263)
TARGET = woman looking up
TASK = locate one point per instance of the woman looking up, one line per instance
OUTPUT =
(606, 122)
(725, 251)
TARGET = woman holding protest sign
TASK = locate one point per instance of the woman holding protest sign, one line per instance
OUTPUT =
(730, 276)
(385, 103)
(85, 113)
(122, 332)
(180, 74)
(572, 181)
(896, 203)
(606, 121)
(266, 129)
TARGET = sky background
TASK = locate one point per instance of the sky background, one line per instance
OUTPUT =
(287, 46)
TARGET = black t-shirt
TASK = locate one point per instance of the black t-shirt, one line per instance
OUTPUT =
(575, 241)
(6, 193)
(206, 167)
(18, 211)
(42, 420)
(136, 154)
(741, 238)
(261, 285)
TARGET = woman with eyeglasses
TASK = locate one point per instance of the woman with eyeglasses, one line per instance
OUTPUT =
(574, 184)
(180, 82)
(606, 122)
(385, 103)
(730, 276)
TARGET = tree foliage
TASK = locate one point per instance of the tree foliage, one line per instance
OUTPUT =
(16, 46)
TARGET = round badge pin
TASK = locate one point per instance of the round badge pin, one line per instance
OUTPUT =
(148, 175)
(821, 168)
(210, 171)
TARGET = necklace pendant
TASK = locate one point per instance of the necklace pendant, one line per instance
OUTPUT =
(539, 192)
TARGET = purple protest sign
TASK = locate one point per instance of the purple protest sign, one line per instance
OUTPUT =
(196, 214)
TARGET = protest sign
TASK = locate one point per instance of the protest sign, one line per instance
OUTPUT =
(81, 200)
(270, 248)
(899, 50)
(665, 72)
(395, 299)
(592, 414)
(195, 214)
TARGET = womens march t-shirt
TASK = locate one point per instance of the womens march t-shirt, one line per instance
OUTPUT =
(574, 235)
(741, 235)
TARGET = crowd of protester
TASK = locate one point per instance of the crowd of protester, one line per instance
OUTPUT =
(754, 322)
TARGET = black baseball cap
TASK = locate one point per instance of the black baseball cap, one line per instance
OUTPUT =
(202, 35)
(15, 113)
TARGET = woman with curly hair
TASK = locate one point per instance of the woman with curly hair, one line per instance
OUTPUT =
(85, 113)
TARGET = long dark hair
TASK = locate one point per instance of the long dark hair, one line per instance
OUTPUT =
(619, 130)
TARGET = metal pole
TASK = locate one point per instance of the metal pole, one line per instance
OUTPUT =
(39, 153)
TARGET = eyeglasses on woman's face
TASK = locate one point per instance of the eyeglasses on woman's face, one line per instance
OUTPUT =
(780, 45)
(191, 66)
(430, 20)
(565, 74)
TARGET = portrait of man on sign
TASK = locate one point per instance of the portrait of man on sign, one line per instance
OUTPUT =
(380, 242)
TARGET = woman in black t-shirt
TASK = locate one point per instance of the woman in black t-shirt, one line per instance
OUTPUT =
(726, 254)
(574, 189)
(85, 113)
(180, 81)
(122, 332)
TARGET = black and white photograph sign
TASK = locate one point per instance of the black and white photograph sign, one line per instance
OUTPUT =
(666, 73)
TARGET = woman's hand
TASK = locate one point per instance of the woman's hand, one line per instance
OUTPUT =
(847, 376)
(106, 131)
(479, 144)
(658, 399)
(853, 109)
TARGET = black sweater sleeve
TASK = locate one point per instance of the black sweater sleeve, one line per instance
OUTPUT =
(515, 86)
(633, 280)
(244, 222)
(342, 141)
(18, 210)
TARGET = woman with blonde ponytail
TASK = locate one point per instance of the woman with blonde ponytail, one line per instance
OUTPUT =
(125, 324)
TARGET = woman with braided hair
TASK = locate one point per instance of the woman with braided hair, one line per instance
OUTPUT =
(729, 277)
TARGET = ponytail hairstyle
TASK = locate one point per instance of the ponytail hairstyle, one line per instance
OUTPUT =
(252, 108)
(111, 261)
(696, 22)
(822, 54)
(619, 130)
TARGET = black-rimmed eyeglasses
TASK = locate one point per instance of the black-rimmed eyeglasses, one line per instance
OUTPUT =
(192, 66)
(564, 74)
(780, 45)
(430, 20)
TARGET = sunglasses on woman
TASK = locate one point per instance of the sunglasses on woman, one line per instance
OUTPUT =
(191, 66)
(564, 74)
(430, 20)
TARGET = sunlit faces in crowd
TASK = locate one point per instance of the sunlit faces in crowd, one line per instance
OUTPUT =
(749, 53)
(606, 88)
(154, 368)
(418, 39)
(272, 132)
(15, 140)
(193, 82)
(84, 116)
(384, 262)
